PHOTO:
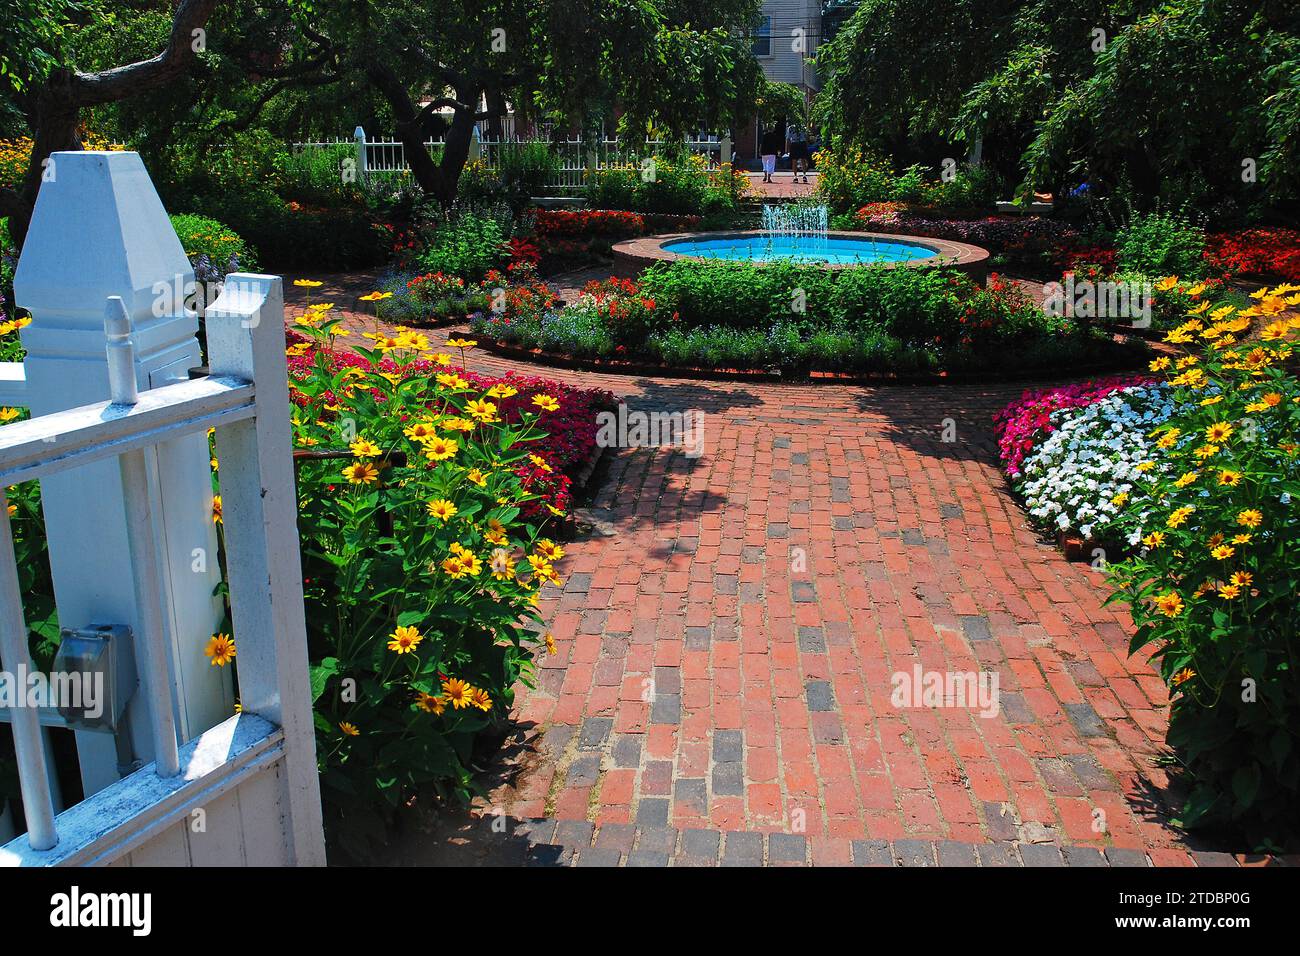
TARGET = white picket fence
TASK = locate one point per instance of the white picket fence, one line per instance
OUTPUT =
(577, 158)
(224, 789)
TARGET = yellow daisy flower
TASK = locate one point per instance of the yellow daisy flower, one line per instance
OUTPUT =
(362, 473)
(221, 649)
(404, 640)
(441, 508)
(457, 692)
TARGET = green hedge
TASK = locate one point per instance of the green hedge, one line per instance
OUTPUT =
(804, 317)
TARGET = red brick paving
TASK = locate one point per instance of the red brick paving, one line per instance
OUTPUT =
(782, 186)
(725, 658)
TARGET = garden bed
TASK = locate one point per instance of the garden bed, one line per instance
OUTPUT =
(784, 320)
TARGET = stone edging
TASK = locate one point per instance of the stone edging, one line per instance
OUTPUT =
(633, 255)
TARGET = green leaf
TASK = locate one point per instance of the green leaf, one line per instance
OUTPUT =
(1245, 784)
(320, 675)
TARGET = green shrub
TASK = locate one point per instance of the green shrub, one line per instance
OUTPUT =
(1161, 244)
(468, 246)
(713, 347)
(674, 183)
(212, 248)
(420, 571)
(852, 176)
(915, 304)
(243, 184)
(739, 294)
(525, 170)
(320, 174)
(802, 317)
(479, 186)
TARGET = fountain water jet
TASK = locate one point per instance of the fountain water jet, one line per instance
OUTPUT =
(797, 226)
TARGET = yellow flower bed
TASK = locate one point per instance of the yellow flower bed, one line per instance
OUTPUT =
(422, 576)
(1214, 590)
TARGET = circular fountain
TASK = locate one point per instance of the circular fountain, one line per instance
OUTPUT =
(799, 233)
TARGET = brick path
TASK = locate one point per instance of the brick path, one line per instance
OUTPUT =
(728, 633)
(782, 186)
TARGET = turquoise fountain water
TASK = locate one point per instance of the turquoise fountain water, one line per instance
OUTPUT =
(799, 232)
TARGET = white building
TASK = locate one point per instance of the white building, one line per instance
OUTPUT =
(787, 36)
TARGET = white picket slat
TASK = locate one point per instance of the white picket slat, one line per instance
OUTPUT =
(38, 800)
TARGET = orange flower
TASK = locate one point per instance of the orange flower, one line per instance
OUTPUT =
(457, 692)
(404, 640)
(221, 649)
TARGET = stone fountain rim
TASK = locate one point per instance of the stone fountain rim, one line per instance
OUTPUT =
(633, 255)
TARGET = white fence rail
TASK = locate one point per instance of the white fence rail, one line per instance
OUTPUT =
(577, 158)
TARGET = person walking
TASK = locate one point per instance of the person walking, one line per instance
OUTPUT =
(769, 147)
(797, 142)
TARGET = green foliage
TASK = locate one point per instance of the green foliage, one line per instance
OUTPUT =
(1216, 61)
(325, 175)
(220, 248)
(8, 311)
(525, 170)
(740, 294)
(379, 565)
(468, 246)
(1065, 93)
(786, 102)
(244, 184)
(33, 38)
(917, 304)
(678, 184)
(803, 317)
(852, 176)
(27, 522)
(479, 186)
(1162, 244)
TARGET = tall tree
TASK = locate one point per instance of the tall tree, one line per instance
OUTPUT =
(443, 65)
(1167, 98)
(51, 92)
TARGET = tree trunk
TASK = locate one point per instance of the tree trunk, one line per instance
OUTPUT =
(497, 107)
(55, 113)
(455, 152)
(55, 117)
(438, 180)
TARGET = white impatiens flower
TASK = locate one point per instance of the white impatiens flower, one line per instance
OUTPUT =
(1072, 478)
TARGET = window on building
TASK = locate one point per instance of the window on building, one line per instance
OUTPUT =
(763, 37)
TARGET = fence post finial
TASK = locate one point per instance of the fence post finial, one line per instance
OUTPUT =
(121, 352)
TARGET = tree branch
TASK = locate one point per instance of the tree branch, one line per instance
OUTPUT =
(276, 88)
(108, 86)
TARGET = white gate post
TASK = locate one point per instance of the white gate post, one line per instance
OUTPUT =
(359, 135)
(99, 230)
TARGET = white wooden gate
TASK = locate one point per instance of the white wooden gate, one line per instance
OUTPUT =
(244, 791)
